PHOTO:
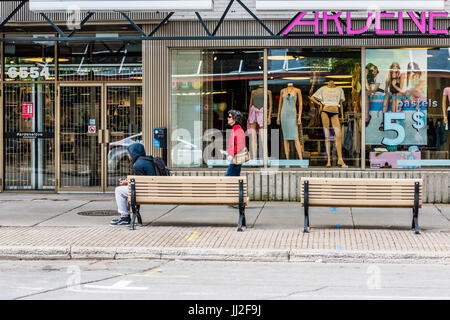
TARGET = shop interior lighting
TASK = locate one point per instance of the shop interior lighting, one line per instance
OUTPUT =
(339, 82)
(279, 58)
(339, 77)
(296, 78)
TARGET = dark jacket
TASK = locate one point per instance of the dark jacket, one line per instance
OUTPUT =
(142, 167)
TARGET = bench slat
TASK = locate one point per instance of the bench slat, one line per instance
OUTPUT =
(362, 203)
(190, 200)
(352, 181)
(187, 179)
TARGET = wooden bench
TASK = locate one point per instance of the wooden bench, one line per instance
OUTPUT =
(187, 190)
(357, 192)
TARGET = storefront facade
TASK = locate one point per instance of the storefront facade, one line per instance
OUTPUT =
(66, 108)
(189, 85)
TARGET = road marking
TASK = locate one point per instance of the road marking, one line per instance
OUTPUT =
(193, 236)
(120, 285)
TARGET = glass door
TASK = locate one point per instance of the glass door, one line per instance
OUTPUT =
(123, 128)
(81, 137)
(29, 114)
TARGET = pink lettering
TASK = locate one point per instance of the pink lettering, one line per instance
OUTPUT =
(422, 24)
(431, 22)
(378, 17)
(349, 24)
(334, 17)
(400, 22)
(298, 22)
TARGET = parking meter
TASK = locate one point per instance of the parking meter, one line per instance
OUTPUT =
(160, 141)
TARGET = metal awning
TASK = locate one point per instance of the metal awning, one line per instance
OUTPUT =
(210, 34)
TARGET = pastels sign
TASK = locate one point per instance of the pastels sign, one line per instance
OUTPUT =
(425, 24)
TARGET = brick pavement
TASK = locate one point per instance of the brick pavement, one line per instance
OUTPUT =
(225, 242)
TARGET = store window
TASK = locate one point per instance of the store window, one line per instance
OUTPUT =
(408, 95)
(29, 61)
(315, 117)
(206, 84)
(100, 61)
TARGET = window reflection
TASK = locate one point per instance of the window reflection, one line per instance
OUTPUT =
(100, 61)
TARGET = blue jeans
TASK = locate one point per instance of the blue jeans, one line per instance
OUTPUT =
(234, 170)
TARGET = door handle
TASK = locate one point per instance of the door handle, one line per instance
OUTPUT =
(100, 137)
(107, 135)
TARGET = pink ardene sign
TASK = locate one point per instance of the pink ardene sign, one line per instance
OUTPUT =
(424, 24)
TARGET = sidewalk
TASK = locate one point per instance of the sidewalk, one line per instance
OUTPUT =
(48, 226)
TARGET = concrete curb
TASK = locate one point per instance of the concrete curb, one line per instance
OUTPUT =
(255, 255)
(35, 253)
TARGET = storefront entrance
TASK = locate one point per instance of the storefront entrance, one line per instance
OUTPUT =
(28, 140)
(97, 124)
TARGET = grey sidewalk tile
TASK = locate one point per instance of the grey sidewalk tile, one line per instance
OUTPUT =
(280, 216)
(291, 216)
(90, 196)
(329, 217)
(72, 218)
(214, 216)
(445, 210)
(399, 218)
(29, 213)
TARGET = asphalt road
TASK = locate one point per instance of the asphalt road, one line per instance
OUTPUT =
(190, 280)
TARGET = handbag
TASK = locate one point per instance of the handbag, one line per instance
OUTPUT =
(241, 157)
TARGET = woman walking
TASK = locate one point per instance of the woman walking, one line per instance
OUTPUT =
(236, 150)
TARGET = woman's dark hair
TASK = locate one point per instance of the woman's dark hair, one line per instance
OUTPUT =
(237, 116)
(369, 74)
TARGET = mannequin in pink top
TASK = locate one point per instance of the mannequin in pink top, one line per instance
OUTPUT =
(445, 98)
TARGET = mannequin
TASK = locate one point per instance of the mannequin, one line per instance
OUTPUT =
(256, 116)
(315, 116)
(289, 97)
(331, 100)
(445, 99)
(356, 89)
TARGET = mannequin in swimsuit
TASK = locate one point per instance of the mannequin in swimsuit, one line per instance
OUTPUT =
(331, 113)
(289, 97)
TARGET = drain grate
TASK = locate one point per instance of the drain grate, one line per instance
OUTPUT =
(98, 213)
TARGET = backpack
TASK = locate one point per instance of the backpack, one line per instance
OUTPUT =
(159, 165)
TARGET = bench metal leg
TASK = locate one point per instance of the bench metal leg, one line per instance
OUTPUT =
(241, 221)
(306, 207)
(415, 222)
(133, 219)
(138, 214)
(133, 204)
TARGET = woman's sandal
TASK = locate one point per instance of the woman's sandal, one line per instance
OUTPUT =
(328, 165)
(342, 165)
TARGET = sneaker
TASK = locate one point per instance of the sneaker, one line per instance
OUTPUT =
(115, 220)
(122, 221)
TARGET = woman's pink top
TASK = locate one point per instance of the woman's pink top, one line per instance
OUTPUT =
(237, 140)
